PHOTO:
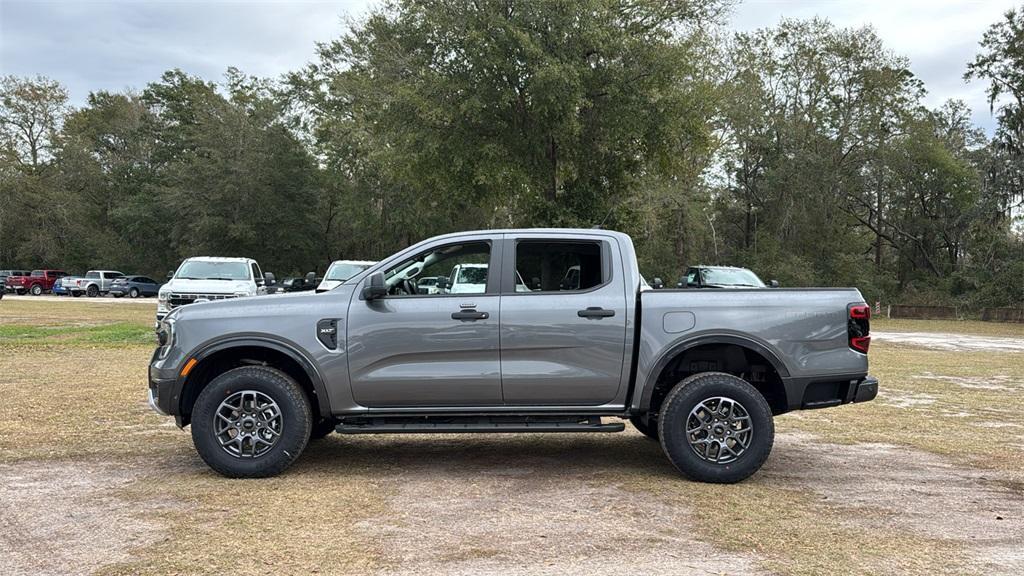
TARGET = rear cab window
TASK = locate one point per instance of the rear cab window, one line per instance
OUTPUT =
(559, 266)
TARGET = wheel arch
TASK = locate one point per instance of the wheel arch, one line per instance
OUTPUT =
(666, 371)
(217, 357)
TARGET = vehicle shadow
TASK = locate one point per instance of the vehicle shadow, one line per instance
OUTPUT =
(456, 455)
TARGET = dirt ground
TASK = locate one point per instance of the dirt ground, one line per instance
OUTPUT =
(928, 479)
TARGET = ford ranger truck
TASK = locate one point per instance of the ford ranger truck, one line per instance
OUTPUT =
(702, 372)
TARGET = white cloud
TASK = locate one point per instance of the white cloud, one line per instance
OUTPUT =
(108, 44)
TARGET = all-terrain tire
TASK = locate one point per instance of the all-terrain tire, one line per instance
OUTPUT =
(675, 413)
(645, 425)
(295, 411)
(92, 291)
(322, 429)
(36, 290)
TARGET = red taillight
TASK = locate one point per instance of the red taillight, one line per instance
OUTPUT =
(860, 312)
(860, 343)
(859, 327)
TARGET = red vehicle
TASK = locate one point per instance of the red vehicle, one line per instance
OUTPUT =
(36, 283)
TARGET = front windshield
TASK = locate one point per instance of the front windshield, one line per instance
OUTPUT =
(209, 270)
(342, 271)
(730, 277)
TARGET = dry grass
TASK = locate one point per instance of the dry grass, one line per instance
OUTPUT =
(73, 392)
(975, 327)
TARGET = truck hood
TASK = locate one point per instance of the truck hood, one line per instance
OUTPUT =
(182, 285)
(280, 304)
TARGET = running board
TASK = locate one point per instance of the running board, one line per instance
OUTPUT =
(465, 425)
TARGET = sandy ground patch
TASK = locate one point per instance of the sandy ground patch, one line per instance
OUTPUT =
(488, 513)
(917, 491)
(952, 342)
(64, 517)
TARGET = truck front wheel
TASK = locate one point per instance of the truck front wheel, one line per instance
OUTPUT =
(715, 427)
(36, 290)
(251, 422)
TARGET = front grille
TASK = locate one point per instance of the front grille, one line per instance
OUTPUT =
(176, 300)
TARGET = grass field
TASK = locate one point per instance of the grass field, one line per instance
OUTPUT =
(927, 479)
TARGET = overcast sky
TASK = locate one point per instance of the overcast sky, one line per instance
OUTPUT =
(91, 45)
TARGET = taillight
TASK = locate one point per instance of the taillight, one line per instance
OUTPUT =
(859, 327)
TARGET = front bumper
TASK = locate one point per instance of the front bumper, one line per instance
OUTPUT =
(164, 389)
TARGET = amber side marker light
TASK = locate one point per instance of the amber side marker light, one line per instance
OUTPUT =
(189, 366)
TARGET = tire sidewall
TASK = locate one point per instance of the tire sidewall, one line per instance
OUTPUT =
(133, 293)
(36, 290)
(676, 410)
(295, 411)
(92, 291)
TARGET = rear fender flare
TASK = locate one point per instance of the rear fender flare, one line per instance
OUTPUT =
(678, 348)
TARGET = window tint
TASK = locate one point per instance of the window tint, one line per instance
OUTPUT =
(558, 266)
(463, 268)
(144, 280)
(37, 273)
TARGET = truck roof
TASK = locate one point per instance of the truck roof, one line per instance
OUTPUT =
(220, 259)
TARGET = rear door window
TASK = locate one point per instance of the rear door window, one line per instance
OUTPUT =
(549, 266)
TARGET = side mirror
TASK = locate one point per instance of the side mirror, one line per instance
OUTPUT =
(269, 279)
(658, 283)
(443, 284)
(375, 287)
(773, 284)
(170, 274)
(310, 278)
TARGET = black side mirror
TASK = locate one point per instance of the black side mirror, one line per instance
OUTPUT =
(443, 284)
(773, 284)
(375, 287)
(170, 274)
(269, 279)
(658, 283)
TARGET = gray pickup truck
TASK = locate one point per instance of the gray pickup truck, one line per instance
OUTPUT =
(703, 372)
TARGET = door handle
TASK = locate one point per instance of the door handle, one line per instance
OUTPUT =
(595, 312)
(470, 315)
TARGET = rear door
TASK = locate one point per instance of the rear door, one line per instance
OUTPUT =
(563, 327)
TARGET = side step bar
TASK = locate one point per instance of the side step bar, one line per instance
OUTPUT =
(475, 424)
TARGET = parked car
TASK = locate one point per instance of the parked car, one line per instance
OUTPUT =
(206, 278)
(301, 283)
(467, 279)
(58, 288)
(134, 286)
(721, 277)
(5, 273)
(341, 270)
(94, 283)
(702, 371)
(35, 283)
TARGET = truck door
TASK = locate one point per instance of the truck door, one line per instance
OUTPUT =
(563, 320)
(413, 348)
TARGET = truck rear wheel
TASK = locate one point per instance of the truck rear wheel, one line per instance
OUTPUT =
(715, 427)
(647, 426)
(251, 422)
(92, 291)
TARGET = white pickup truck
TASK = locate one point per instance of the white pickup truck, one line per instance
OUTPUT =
(207, 278)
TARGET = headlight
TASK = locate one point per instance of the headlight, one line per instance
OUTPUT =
(165, 335)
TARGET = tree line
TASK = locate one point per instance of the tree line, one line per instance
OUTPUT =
(802, 150)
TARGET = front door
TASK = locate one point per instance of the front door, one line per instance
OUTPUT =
(420, 347)
(563, 322)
